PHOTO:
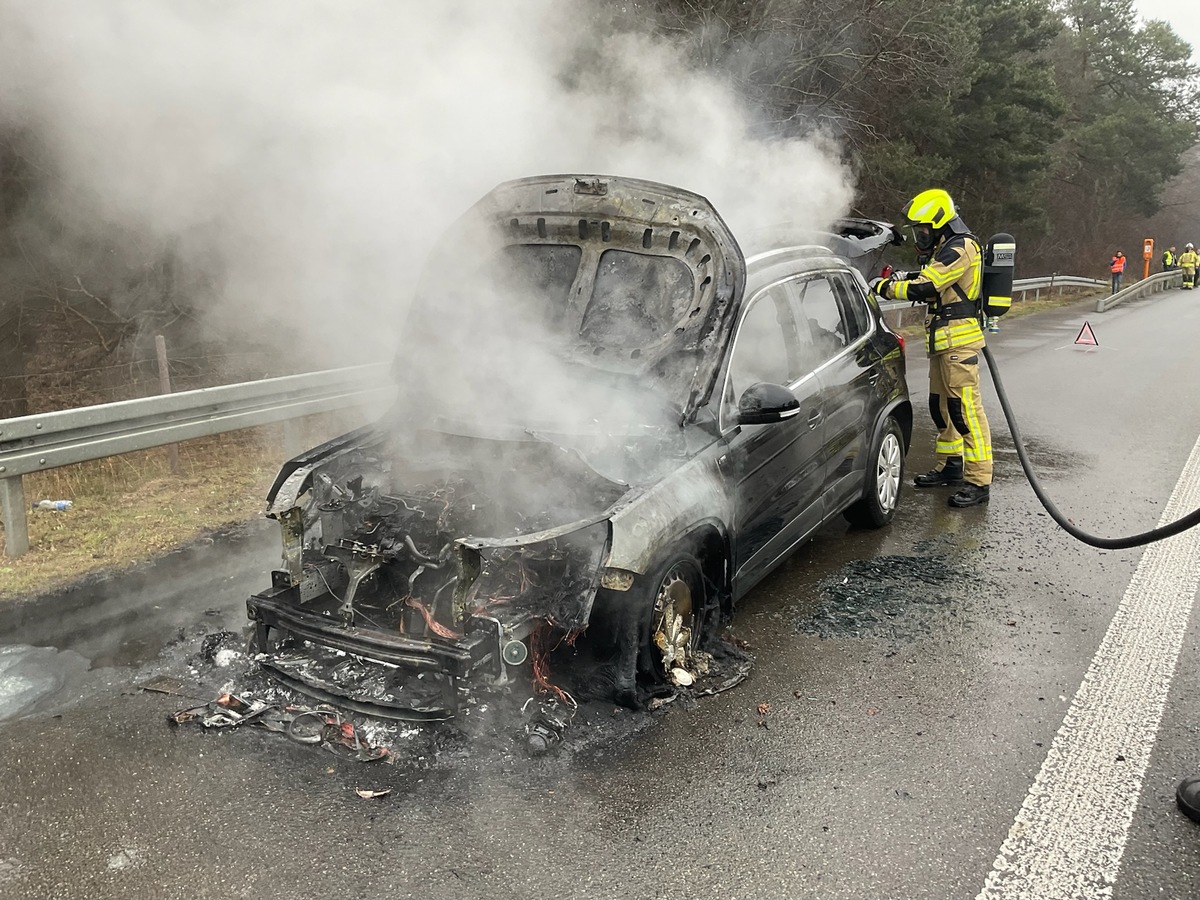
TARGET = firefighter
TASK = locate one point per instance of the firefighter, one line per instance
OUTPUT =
(949, 283)
(1187, 262)
(1118, 269)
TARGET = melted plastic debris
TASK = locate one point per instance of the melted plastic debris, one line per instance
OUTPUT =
(412, 696)
(325, 726)
(499, 721)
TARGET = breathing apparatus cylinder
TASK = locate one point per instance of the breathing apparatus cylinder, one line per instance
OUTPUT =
(999, 259)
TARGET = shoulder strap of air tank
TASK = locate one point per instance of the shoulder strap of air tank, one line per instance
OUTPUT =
(968, 308)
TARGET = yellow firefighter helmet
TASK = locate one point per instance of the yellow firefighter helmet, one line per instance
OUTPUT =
(932, 207)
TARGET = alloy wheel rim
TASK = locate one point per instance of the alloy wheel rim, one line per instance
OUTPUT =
(674, 616)
(887, 474)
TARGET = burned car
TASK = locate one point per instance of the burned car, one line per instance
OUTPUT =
(611, 425)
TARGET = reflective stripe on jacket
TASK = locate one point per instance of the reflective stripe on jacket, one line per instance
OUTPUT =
(958, 262)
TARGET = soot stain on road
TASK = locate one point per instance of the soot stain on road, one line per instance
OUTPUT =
(900, 598)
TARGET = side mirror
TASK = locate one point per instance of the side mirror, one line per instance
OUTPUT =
(764, 403)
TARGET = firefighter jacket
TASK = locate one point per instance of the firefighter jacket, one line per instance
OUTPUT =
(950, 285)
(1118, 264)
(1188, 259)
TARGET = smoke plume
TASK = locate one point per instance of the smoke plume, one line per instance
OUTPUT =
(308, 153)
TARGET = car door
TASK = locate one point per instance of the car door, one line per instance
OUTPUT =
(774, 471)
(836, 316)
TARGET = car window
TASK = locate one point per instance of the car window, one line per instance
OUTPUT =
(854, 308)
(765, 346)
(818, 313)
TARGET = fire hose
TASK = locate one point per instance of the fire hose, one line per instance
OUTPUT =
(1122, 543)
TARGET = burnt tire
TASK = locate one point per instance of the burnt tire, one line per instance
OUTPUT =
(677, 599)
(881, 487)
(620, 658)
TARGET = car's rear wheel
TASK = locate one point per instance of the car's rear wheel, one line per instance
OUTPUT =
(885, 474)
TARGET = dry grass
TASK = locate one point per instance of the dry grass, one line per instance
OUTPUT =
(131, 508)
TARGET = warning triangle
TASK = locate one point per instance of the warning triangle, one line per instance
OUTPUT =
(1087, 336)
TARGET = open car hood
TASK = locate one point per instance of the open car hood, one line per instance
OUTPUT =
(627, 276)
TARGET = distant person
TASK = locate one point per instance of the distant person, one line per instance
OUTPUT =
(1187, 262)
(1118, 269)
(1168, 259)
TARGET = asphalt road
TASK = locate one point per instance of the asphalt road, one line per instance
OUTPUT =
(969, 703)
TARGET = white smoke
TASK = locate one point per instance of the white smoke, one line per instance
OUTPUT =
(311, 151)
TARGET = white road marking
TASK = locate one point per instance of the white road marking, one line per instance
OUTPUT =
(1069, 836)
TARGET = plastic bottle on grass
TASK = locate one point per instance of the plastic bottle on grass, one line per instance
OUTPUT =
(56, 505)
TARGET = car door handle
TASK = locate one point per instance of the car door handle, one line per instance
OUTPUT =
(814, 419)
(873, 377)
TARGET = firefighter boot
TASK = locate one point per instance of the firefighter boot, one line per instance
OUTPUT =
(949, 475)
(970, 495)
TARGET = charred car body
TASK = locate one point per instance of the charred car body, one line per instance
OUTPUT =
(610, 423)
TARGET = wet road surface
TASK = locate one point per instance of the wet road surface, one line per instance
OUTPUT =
(917, 679)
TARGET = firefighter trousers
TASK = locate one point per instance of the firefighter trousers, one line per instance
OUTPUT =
(957, 411)
(1189, 276)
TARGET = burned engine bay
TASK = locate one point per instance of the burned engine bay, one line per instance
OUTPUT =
(437, 554)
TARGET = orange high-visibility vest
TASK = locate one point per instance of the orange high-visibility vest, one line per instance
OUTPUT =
(1118, 264)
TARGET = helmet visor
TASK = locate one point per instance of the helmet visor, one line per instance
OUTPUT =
(923, 236)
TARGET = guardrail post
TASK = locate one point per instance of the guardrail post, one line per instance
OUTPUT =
(16, 523)
(164, 387)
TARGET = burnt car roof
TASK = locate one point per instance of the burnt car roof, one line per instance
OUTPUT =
(597, 213)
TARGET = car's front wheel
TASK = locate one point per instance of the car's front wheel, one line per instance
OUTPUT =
(678, 611)
(885, 474)
(645, 641)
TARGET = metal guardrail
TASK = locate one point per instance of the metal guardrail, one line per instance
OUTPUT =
(1155, 283)
(37, 443)
(1050, 282)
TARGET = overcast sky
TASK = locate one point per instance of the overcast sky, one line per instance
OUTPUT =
(1182, 17)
